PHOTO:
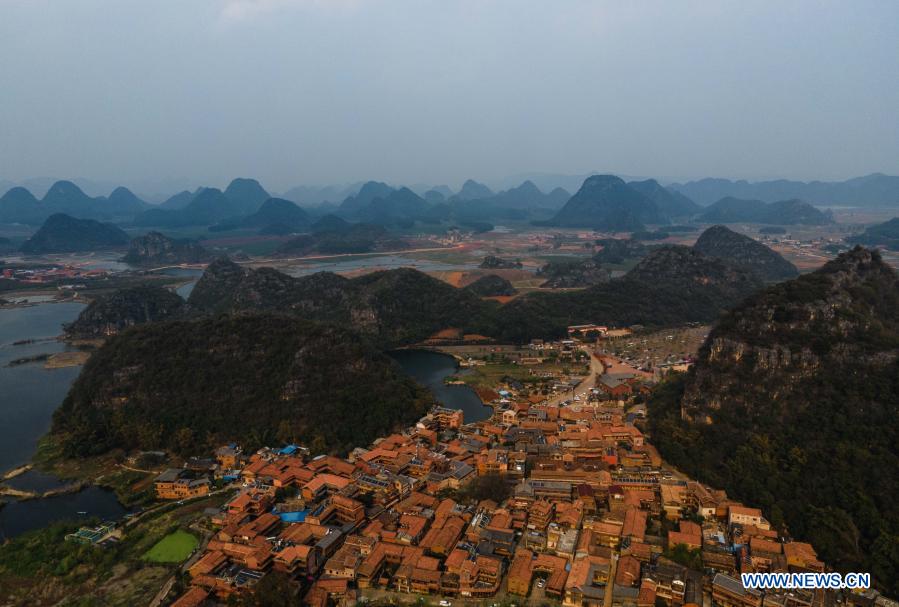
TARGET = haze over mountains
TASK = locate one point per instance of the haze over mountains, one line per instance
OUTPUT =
(380, 218)
(784, 212)
(613, 202)
(18, 205)
(62, 233)
(875, 189)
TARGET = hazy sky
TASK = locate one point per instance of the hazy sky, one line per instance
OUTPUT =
(306, 91)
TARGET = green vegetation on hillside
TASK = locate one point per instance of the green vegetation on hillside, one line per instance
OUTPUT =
(574, 272)
(396, 307)
(125, 308)
(491, 286)
(673, 285)
(794, 407)
(401, 307)
(188, 386)
(884, 234)
(740, 250)
(41, 568)
(62, 233)
(158, 249)
(606, 202)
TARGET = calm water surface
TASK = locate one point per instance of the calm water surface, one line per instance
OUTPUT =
(29, 393)
(429, 368)
(27, 515)
(28, 396)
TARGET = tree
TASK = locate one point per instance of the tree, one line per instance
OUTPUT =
(184, 441)
(273, 590)
(488, 487)
(683, 555)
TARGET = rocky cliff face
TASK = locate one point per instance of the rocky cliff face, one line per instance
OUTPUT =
(846, 312)
(684, 268)
(794, 406)
(740, 250)
(125, 308)
(155, 248)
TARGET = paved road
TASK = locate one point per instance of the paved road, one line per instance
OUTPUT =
(586, 384)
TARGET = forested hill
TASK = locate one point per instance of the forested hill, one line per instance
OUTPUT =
(156, 248)
(672, 285)
(63, 233)
(255, 379)
(396, 307)
(125, 308)
(741, 250)
(794, 406)
(491, 285)
(884, 234)
(606, 202)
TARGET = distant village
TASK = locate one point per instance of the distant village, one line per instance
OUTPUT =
(555, 499)
(42, 276)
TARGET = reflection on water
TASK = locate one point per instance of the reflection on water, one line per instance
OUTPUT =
(35, 480)
(28, 396)
(93, 502)
(429, 369)
(30, 393)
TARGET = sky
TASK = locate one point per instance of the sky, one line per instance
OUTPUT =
(436, 91)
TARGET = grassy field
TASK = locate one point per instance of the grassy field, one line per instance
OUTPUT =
(492, 374)
(173, 548)
(40, 568)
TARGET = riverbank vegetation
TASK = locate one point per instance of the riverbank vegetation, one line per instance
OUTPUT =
(133, 487)
(42, 568)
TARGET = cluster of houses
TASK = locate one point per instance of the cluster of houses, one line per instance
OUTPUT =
(49, 274)
(588, 518)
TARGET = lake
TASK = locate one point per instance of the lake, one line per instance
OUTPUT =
(429, 368)
(17, 517)
(29, 393)
(28, 396)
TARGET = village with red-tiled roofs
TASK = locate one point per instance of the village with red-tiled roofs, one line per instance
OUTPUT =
(554, 499)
